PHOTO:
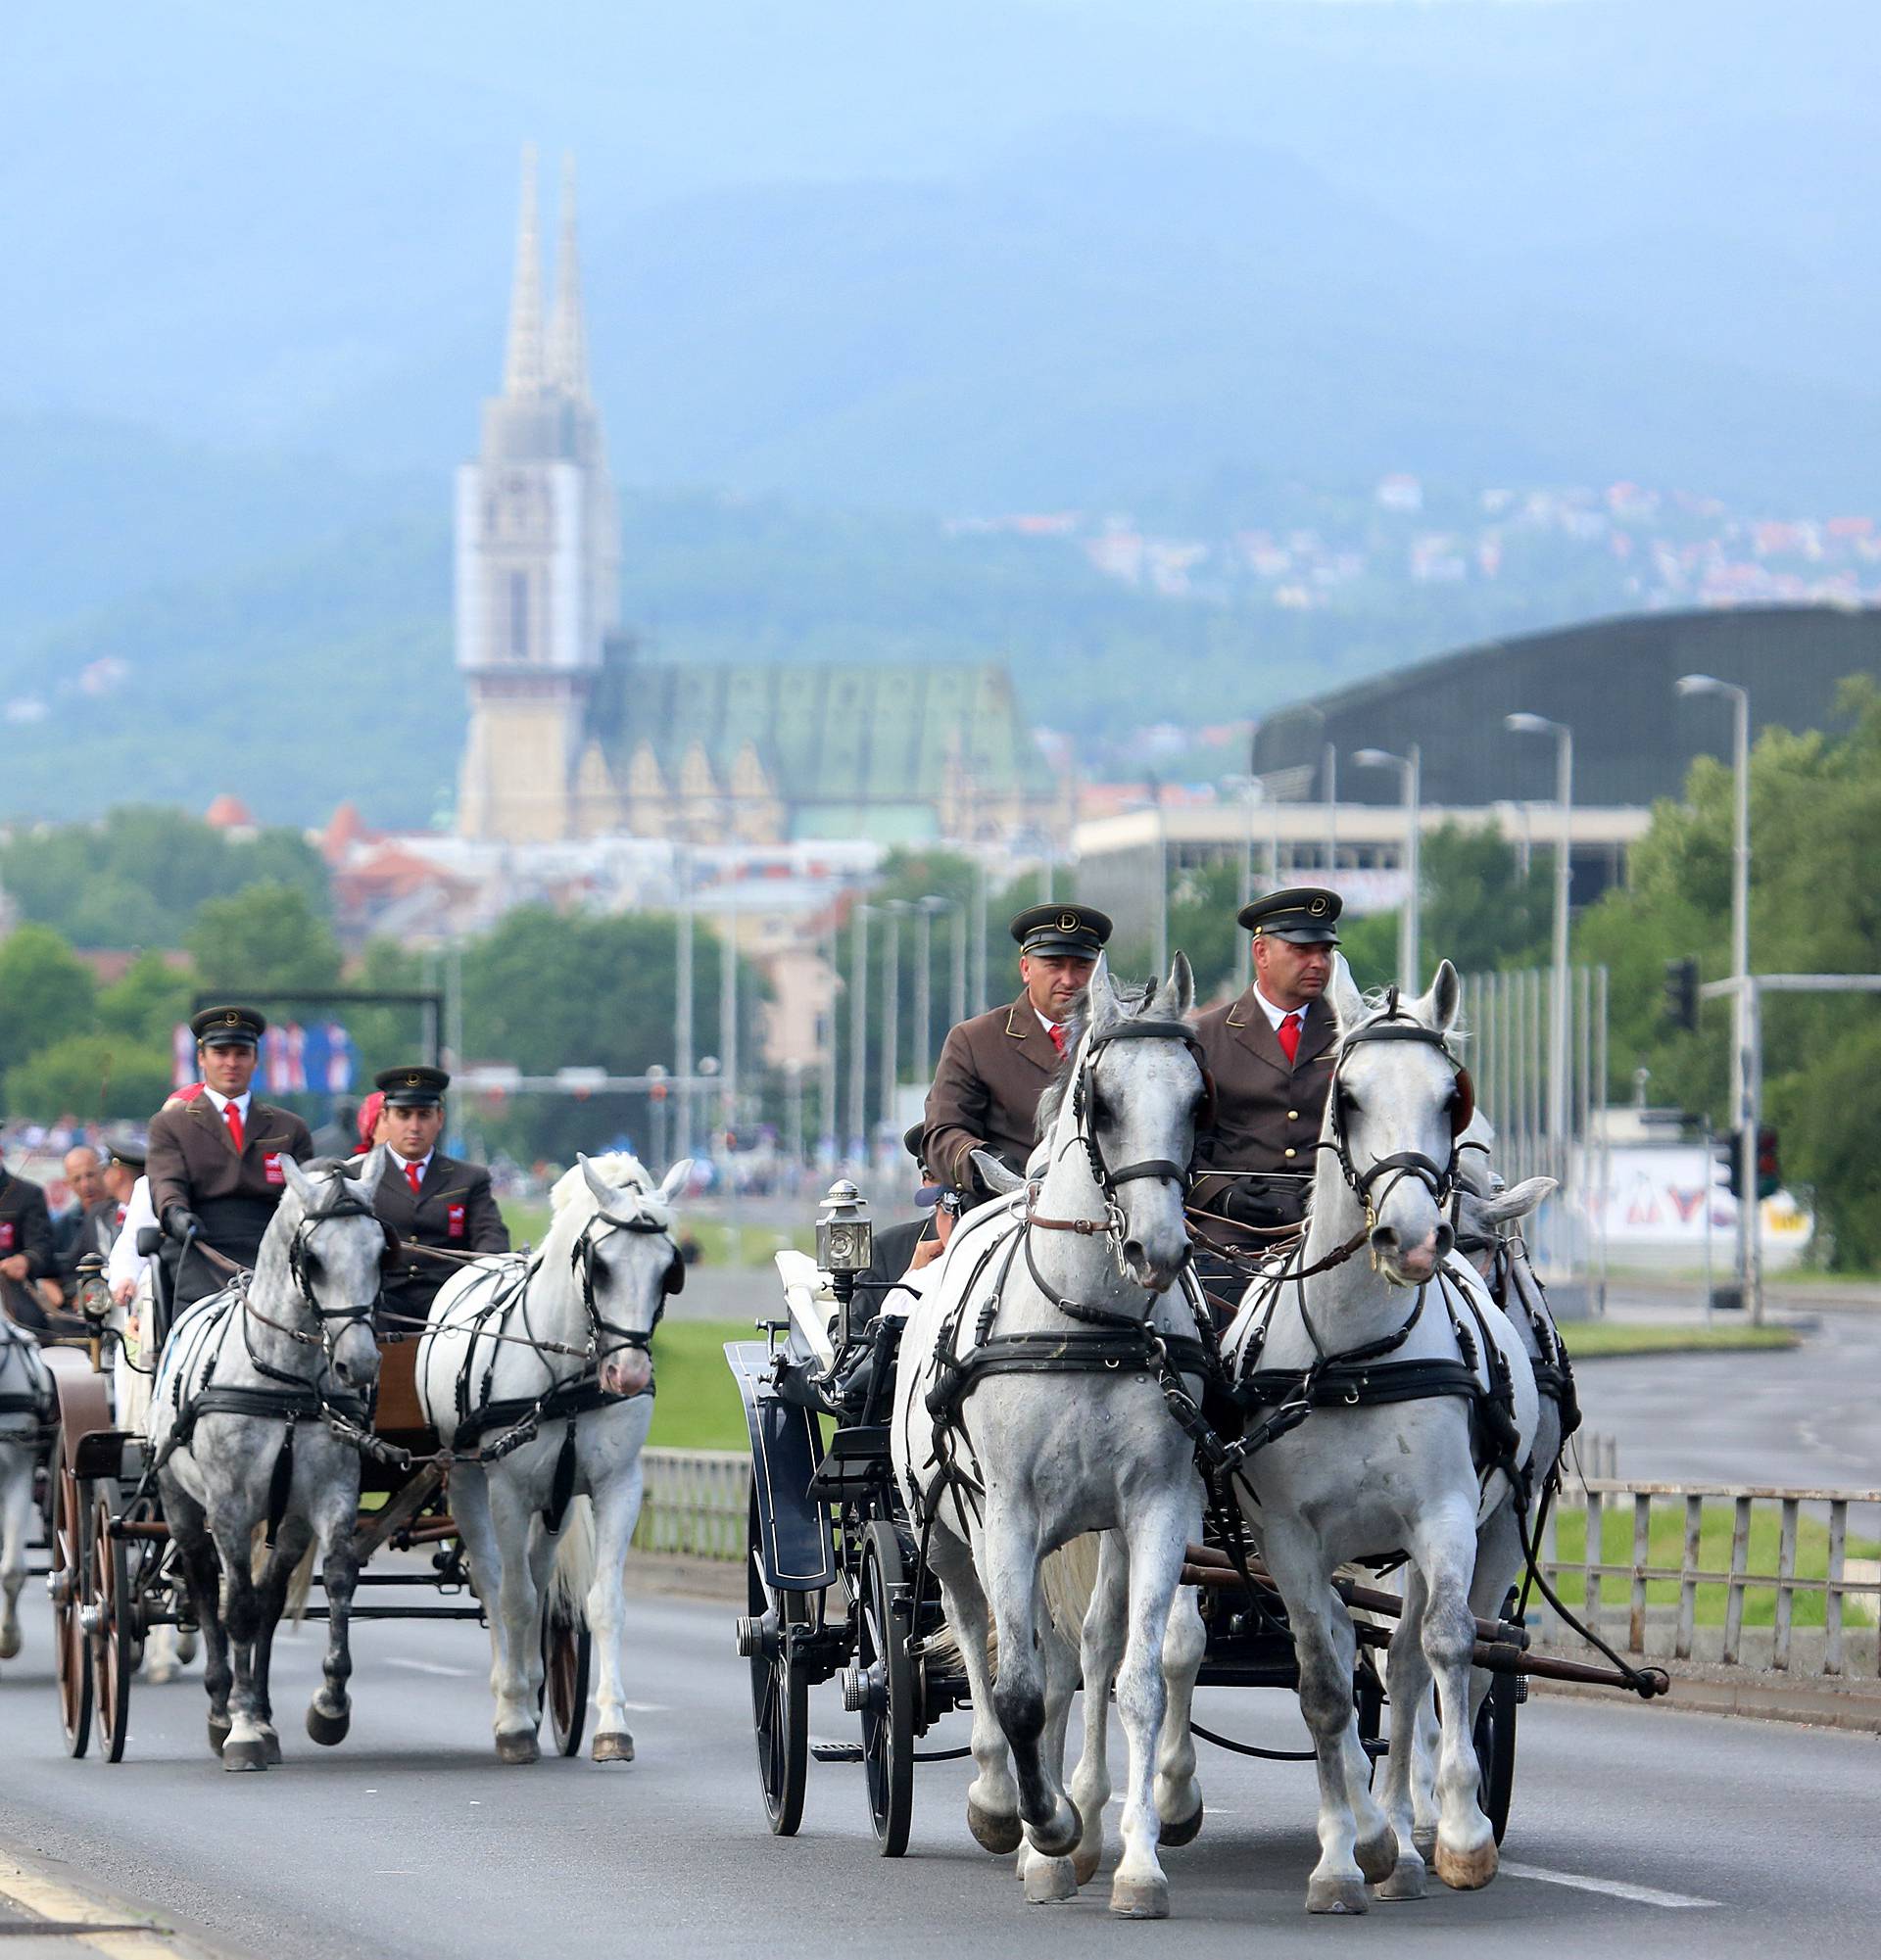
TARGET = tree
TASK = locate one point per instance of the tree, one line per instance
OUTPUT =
(265, 937)
(46, 993)
(147, 1001)
(88, 1076)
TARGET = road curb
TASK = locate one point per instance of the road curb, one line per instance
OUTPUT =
(53, 1909)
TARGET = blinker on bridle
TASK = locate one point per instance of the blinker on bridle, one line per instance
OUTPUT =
(582, 1259)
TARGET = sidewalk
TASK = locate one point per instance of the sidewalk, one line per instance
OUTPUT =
(48, 1911)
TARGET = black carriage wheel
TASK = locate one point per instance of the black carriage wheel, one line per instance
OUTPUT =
(567, 1656)
(1495, 1740)
(780, 1694)
(72, 1650)
(114, 1630)
(886, 1681)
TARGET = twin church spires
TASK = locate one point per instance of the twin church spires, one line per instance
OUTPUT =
(559, 365)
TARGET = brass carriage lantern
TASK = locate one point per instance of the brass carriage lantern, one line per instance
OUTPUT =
(845, 1246)
(94, 1290)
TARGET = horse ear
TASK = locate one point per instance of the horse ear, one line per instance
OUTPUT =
(1519, 1199)
(675, 1180)
(1182, 985)
(1348, 1003)
(1438, 1008)
(298, 1182)
(1100, 996)
(994, 1175)
(372, 1167)
(596, 1183)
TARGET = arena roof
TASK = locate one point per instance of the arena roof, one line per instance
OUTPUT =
(1612, 682)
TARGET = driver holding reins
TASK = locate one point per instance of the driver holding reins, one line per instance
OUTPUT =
(215, 1160)
(428, 1199)
(1270, 1052)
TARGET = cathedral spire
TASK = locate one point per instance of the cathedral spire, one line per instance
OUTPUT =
(522, 368)
(567, 332)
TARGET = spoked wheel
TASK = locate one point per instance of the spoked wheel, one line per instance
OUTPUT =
(880, 1687)
(112, 1617)
(1495, 1740)
(780, 1691)
(567, 1654)
(72, 1650)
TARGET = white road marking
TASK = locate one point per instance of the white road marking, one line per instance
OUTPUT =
(647, 1708)
(430, 1667)
(1612, 1888)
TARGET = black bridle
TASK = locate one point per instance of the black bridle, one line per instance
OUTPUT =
(1439, 1179)
(1083, 1093)
(582, 1259)
(345, 1201)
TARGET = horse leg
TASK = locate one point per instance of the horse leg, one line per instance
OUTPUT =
(296, 1535)
(1178, 1795)
(514, 1626)
(16, 1508)
(335, 1512)
(202, 1579)
(617, 1512)
(1049, 1879)
(1408, 1771)
(1159, 1534)
(1009, 1557)
(1445, 1553)
(1105, 1629)
(1356, 1842)
(993, 1799)
(247, 1746)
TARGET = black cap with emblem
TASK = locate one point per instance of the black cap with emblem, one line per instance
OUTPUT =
(1079, 931)
(228, 1027)
(1306, 913)
(415, 1087)
(123, 1146)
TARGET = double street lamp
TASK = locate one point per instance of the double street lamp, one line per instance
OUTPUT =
(1409, 766)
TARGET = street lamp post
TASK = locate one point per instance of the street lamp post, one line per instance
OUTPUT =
(727, 1007)
(1557, 1070)
(925, 914)
(858, 1137)
(1409, 766)
(957, 977)
(1746, 1063)
(1330, 760)
(892, 1007)
(683, 1004)
(831, 1121)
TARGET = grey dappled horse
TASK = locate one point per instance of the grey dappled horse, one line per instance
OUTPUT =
(26, 1403)
(235, 1424)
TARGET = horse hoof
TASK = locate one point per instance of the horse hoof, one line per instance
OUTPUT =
(245, 1755)
(327, 1730)
(186, 1646)
(1337, 1896)
(1059, 1838)
(1138, 1899)
(1467, 1871)
(160, 1675)
(1050, 1880)
(1406, 1879)
(219, 1728)
(1425, 1838)
(1377, 1857)
(1184, 1831)
(616, 1747)
(9, 1642)
(521, 1747)
(993, 1833)
(272, 1747)
(1085, 1863)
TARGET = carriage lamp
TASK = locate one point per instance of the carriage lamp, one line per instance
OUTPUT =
(94, 1290)
(845, 1246)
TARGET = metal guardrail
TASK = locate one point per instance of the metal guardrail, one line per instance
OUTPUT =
(1805, 1530)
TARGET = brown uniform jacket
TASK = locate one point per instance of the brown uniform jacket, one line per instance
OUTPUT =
(1268, 1113)
(26, 1229)
(985, 1093)
(192, 1161)
(454, 1209)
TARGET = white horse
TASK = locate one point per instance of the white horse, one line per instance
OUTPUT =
(25, 1405)
(1027, 1413)
(559, 1339)
(237, 1430)
(1344, 1476)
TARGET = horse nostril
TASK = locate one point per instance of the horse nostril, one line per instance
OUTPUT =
(1384, 1238)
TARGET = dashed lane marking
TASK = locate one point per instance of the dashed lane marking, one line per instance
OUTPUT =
(429, 1667)
(1612, 1888)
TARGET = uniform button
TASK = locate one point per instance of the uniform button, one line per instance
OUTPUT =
(1292, 1153)
(1292, 1116)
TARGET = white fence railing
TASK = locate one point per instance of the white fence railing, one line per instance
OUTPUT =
(695, 1504)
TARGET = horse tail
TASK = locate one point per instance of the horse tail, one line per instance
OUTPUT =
(1069, 1580)
(575, 1562)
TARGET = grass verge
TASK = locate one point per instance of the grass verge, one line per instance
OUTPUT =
(1594, 1340)
(697, 1405)
(719, 1243)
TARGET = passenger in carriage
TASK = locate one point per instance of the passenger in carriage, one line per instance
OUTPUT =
(1270, 1052)
(428, 1199)
(27, 1258)
(994, 1068)
(215, 1159)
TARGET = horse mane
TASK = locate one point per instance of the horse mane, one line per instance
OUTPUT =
(1134, 1001)
(622, 1170)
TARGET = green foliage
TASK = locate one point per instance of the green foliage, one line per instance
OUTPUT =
(48, 993)
(269, 935)
(1370, 944)
(1815, 907)
(132, 879)
(91, 1076)
(147, 1002)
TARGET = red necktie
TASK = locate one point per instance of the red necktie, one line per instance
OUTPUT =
(1057, 1034)
(1288, 1033)
(414, 1178)
(235, 1135)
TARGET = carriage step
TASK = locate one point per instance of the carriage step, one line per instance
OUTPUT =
(837, 1752)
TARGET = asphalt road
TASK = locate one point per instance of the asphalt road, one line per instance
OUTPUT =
(1635, 1829)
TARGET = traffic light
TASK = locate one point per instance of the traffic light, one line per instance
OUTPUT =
(1769, 1175)
(1730, 1151)
(1681, 993)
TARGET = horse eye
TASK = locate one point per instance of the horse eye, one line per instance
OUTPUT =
(312, 1266)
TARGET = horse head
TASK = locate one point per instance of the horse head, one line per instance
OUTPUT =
(626, 1263)
(337, 1251)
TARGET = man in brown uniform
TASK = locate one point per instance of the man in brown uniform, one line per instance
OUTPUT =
(994, 1068)
(1271, 1055)
(215, 1160)
(428, 1198)
(26, 1252)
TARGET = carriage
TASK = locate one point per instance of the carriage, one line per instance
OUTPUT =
(114, 1574)
(837, 1583)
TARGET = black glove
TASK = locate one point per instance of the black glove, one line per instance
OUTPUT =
(179, 1222)
(1248, 1201)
